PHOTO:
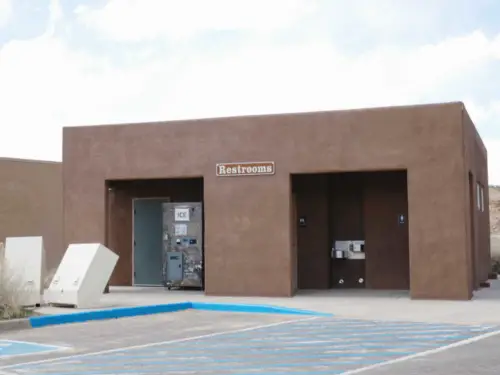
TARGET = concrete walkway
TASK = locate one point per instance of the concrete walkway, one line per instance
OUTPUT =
(361, 304)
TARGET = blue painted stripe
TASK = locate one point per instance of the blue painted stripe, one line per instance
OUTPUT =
(127, 360)
(123, 312)
(358, 333)
(292, 349)
(166, 372)
(147, 371)
(355, 337)
(343, 324)
(255, 309)
(165, 368)
(354, 322)
(299, 344)
(11, 347)
(270, 350)
(340, 324)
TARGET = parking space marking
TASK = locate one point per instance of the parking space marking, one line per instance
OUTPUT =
(312, 346)
(148, 345)
(424, 353)
(14, 348)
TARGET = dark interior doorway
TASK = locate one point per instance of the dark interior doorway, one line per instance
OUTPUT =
(135, 225)
(370, 208)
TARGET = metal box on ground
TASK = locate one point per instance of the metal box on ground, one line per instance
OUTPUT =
(24, 270)
(82, 276)
(175, 262)
(183, 244)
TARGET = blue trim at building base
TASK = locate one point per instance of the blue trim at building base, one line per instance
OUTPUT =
(125, 312)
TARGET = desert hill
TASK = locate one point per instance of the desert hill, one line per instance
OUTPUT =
(495, 220)
(495, 210)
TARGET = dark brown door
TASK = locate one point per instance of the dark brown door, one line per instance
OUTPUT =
(346, 224)
(312, 231)
(386, 230)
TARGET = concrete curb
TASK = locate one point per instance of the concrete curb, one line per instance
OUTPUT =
(113, 313)
(124, 312)
(14, 325)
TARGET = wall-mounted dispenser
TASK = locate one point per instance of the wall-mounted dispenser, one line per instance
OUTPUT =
(348, 250)
(340, 250)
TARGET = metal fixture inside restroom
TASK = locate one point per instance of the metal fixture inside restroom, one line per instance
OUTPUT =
(352, 250)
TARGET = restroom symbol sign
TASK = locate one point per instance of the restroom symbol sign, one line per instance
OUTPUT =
(182, 214)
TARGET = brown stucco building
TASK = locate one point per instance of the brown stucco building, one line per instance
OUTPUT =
(31, 203)
(408, 181)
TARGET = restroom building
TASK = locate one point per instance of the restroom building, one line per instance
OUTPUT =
(383, 198)
(31, 204)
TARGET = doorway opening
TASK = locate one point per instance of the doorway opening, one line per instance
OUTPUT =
(147, 237)
(157, 228)
(351, 230)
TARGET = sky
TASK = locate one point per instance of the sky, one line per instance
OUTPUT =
(87, 62)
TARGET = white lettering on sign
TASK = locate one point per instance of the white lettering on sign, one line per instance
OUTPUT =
(245, 169)
(181, 214)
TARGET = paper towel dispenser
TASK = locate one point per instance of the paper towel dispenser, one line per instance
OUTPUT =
(352, 249)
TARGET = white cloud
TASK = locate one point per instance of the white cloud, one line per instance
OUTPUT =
(493, 147)
(136, 20)
(489, 112)
(5, 11)
(45, 84)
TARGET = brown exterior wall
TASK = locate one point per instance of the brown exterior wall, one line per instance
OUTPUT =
(31, 203)
(476, 163)
(253, 254)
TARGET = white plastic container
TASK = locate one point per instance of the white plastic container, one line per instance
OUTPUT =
(24, 259)
(82, 276)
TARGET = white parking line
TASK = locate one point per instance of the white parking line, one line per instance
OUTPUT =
(424, 353)
(75, 356)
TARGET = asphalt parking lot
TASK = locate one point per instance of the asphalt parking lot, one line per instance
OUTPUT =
(200, 342)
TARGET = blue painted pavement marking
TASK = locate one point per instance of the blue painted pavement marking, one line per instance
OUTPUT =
(314, 347)
(9, 348)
